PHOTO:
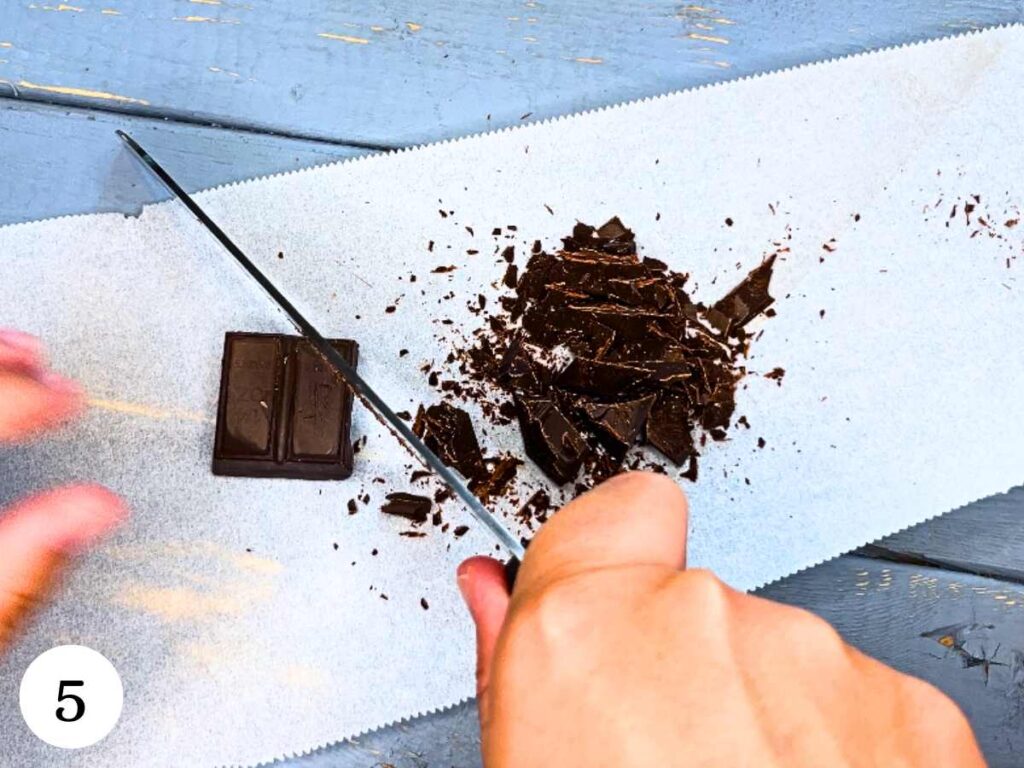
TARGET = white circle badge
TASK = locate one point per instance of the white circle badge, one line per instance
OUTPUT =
(71, 696)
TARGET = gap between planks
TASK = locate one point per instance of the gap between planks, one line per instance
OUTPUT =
(11, 93)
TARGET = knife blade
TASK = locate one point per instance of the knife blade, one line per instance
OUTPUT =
(362, 390)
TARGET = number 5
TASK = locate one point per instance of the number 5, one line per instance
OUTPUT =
(79, 704)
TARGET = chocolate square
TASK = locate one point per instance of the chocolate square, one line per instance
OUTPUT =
(283, 412)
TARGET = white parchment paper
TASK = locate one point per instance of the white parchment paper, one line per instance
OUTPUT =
(247, 617)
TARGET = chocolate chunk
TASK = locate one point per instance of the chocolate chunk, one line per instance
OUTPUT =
(511, 278)
(748, 299)
(669, 429)
(521, 368)
(283, 411)
(551, 440)
(606, 380)
(408, 505)
(623, 422)
(448, 432)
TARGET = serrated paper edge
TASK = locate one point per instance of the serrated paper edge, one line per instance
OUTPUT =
(373, 156)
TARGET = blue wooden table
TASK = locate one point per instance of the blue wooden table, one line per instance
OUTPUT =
(224, 90)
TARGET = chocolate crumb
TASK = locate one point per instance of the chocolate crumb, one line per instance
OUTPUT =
(460, 530)
(776, 374)
(352, 508)
(424, 604)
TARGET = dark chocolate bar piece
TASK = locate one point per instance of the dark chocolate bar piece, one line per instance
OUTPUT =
(283, 412)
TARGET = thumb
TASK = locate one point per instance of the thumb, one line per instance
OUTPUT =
(482, 583)
(38, 534)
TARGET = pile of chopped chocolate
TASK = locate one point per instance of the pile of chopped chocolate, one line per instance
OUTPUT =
(601, 350)
(595, 350)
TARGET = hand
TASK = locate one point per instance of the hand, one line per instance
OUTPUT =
(610, 653)
(39, 533)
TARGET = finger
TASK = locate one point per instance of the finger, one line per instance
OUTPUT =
(636, 518)
(21, 351)
(38, 534)
(482, 583)
(31, 403)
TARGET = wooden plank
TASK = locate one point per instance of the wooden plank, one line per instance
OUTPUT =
(404, 72)
(58, 161)
(890, 611)
(985, 538)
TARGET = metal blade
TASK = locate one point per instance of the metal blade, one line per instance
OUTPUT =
(362, 390)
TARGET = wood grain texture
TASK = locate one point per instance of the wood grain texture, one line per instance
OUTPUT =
(935, 625)
(402, 72)
(56, 161)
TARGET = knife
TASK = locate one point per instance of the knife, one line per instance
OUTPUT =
(363, 391)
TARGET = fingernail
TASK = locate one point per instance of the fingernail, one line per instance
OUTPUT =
(464, 580)
(57, 383)
(20, 340)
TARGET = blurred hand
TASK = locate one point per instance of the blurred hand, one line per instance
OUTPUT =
(39, 533)
(610, 653)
